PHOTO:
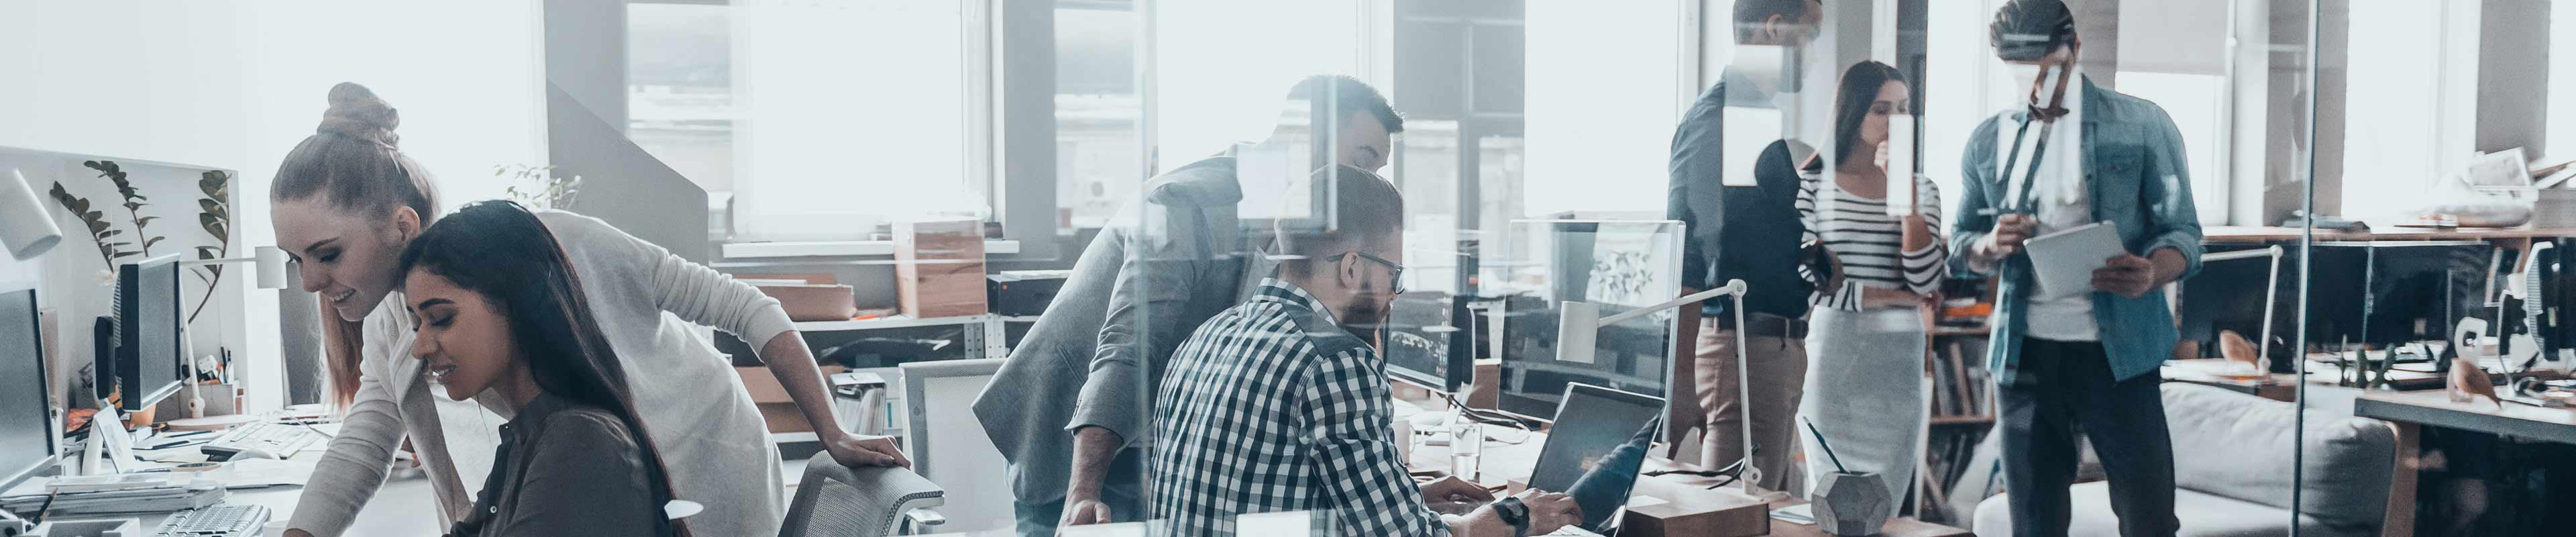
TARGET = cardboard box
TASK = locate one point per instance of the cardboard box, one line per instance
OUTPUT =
(807, 297)
(777, 409)
(939, 268)
(1484, 389)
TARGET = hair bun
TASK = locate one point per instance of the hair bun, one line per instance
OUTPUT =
(357, 113)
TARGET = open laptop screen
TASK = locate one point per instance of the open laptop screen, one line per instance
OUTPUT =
(1596, 449)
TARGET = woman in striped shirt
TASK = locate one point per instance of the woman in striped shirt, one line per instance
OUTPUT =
(1865, 386)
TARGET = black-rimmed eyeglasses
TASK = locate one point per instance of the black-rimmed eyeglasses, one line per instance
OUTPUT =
(1398, 268)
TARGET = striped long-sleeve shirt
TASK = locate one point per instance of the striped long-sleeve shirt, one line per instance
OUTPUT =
(1870, 243)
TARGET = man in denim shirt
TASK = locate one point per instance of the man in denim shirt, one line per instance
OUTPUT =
(2083, 361)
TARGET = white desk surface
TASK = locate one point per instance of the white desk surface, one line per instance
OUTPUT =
(403, 508)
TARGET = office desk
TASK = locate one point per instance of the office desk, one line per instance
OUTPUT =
(2270, 234)
(1896, 527)
(2412, 411)
(401, 508)
(2434, 407)
(1512, 463)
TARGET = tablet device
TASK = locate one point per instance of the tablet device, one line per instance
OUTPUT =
(2063, 261)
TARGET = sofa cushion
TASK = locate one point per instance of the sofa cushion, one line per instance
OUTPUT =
(2202, 515)
(2237, 446)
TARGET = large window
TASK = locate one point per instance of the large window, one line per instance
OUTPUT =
(2177, 56)
(1100, 157)
(1604, 86)
(2390, 134)
(824, 120)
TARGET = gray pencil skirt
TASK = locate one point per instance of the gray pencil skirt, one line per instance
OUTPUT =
(1864, 392)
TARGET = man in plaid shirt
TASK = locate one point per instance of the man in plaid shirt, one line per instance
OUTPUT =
(1273, 405)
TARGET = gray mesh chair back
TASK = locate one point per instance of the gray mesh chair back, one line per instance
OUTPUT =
(839, 501)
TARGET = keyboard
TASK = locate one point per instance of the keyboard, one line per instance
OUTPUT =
(274, 439)
(217, 521)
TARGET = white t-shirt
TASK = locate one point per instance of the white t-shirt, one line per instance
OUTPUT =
(2061, 200)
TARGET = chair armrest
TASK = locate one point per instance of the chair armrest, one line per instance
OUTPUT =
(925, 517)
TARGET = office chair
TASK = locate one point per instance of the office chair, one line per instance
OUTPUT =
(947, 443)
(839, 501)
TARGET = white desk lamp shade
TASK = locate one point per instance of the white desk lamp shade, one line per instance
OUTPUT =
(26, 228)
(271, 267)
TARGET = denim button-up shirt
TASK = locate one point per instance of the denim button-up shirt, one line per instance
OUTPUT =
(2135, 168)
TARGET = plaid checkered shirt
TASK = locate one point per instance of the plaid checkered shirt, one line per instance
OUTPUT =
(1271, 406)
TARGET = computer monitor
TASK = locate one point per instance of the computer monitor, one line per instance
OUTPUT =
(2385, 293)
(26, 409)
(1430, 336)
(148, 352)
(1617, 265)
(1597, 448)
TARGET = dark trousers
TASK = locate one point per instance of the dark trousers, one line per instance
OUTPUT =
(2063, 389)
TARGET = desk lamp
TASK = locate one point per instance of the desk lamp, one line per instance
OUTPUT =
(269, 265)
(26, 228)
(2271, 285)
(1579, 325)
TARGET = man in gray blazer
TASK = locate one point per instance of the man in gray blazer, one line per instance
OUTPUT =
(1072, 409)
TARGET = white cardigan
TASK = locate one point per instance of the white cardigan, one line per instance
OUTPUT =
(709, 434)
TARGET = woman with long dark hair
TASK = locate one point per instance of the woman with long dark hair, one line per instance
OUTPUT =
(1864, 386)
(347, 202)
(499, 307)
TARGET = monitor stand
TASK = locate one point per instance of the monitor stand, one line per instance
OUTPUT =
(110, 446)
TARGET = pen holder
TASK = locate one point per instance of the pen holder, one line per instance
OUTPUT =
(1850, 503)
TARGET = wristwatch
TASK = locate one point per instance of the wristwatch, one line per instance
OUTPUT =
(1514, 513)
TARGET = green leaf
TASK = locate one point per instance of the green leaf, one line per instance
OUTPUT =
(122, 255)
(208, 205)
(95, 226)
(139, 222)
(120, 244)
(147, 243)
(112, 233)
(207, 252)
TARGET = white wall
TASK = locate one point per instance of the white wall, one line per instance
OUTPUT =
(75, 282)
(234, 84)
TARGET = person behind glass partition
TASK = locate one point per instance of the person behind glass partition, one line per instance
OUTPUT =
(1864, 385)
(1278, 404)
(1744, 232)
(2085, 360)
(1071, 407)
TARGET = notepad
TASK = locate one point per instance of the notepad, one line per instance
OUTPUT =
(2064, 261)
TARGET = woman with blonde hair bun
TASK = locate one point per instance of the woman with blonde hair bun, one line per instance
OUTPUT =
(346, 202)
